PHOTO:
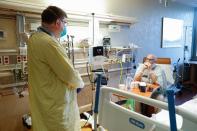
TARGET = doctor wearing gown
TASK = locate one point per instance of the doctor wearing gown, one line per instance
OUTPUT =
(52, 79)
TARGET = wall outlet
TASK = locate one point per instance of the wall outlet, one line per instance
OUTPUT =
(24, 58)
(18, 59)
(1, 60)
(6, 60)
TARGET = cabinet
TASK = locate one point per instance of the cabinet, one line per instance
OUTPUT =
(192, 75)
(12, 108)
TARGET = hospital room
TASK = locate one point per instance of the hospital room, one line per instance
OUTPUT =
(98, 65)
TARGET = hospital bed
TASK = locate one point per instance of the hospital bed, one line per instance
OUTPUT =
(114, 117)
(190, 106)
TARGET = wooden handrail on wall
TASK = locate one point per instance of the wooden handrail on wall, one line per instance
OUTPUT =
(161, 60)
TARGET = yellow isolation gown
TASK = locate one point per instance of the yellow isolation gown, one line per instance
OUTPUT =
(52, 85)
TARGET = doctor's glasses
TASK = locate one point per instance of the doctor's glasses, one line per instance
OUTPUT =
(65, 22)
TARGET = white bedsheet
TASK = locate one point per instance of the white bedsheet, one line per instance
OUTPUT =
(163, 115)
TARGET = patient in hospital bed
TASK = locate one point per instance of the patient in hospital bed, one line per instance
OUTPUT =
(157, 71)
(150, 72)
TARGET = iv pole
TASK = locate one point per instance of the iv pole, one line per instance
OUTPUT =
(186, 46)
(70, 44)
(93, 28)
(184, 50)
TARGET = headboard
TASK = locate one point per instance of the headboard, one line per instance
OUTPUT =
(161, 60)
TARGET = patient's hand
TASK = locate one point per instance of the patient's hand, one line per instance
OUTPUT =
(147, 65)
(153, 77)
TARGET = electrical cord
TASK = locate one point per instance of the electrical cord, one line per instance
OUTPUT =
(87, 69)
(121, 72)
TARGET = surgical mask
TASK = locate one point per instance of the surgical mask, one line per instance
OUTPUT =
(64, 32)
